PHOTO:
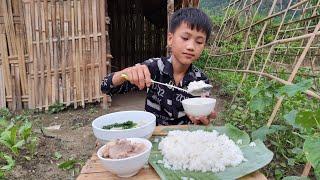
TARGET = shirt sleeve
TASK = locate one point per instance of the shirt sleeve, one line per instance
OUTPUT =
(107, 86)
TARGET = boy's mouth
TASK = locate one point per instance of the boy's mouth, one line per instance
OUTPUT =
(188, 55)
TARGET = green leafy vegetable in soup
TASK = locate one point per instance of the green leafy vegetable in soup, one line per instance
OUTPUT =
(125, 125)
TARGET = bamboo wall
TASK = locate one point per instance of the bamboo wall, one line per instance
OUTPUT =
(52, 51)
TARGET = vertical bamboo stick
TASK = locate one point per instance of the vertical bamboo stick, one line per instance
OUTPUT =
(105, 45)
(73, 84)
(2, 88)
(97, 56)
(64, 49)
(80, 59)
(6, 67)
(31, 81)
(67, 8)
(89, 60)
(44, 57)
(170, 10)
(39, 91)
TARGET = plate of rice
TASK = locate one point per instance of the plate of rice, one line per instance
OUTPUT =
(207, 153)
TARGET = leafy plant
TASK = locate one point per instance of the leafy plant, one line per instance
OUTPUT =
(56, 107)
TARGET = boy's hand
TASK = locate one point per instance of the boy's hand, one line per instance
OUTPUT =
(138, 75)
(203, 119)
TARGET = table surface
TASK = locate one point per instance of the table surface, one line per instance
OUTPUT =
(94, 170)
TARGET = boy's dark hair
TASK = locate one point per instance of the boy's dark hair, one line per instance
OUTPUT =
(195, 18)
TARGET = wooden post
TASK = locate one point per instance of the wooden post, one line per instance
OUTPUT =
(170, 10)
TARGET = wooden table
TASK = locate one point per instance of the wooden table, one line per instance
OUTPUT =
(94, 170)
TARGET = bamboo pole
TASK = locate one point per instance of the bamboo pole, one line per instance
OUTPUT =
(105, 61)
(309, 92)
(6, 67)
(170, 10)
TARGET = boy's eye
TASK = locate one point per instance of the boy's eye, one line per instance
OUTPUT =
(198, 42)
(184, 38)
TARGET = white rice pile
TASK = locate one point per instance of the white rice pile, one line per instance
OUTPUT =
(199, 151)
(195, 85)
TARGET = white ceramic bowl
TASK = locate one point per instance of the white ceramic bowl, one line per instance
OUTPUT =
(130, 166)
(199, 106)
(143, 131)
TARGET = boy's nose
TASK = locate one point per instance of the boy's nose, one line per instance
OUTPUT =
(190, 46)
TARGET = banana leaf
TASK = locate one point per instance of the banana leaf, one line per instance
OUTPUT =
(257, 157)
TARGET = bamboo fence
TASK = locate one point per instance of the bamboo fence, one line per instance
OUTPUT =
(52, 51)
(295, 36)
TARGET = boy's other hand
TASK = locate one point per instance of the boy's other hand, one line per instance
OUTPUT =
(203, 119)
(138, 75)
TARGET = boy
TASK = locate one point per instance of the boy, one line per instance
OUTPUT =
(189, 30)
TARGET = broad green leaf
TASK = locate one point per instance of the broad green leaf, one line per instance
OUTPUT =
(257, 157)
(57, 155)
(262, 132)
(259, 103)
(308, 119)
(254, 91)
(1, 174)
(311, 148)
(69, 164)
(293, 89)
(234, 133)
(291, 117)
(295, 178)
(10, 162)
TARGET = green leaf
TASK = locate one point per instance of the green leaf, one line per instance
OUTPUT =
(259, 103)
(262, 132)
(293, 89)
(291, 117)
(57, 155)
(69, 164)
(295, 178)
(19, 144)
(25, 130)
(254, 91)
(236, 134)
(308, 119)
(311, 148)
(10, 162)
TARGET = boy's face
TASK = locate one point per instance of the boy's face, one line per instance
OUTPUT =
(186, 44)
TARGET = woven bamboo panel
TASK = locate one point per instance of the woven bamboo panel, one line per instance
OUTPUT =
(52, 51)
(67, 48)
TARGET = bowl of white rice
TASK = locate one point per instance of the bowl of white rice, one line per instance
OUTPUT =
(198, 106)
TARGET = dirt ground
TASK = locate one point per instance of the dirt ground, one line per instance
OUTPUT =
(74, 139)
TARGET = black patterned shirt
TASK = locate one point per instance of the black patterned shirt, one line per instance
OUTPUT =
(162, 101)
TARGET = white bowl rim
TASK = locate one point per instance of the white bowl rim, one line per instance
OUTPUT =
(123, 130)
(211, 100)
(145, 141)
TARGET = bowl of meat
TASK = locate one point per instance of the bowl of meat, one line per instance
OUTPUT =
(125, 157)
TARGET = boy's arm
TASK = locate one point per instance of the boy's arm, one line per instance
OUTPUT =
(114, 84)
(139, 77)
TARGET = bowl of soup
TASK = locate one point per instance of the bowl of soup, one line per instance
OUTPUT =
(124, 124)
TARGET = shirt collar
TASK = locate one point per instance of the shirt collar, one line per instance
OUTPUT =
(188, 77)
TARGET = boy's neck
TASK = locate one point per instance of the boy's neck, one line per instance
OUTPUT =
(178, 68)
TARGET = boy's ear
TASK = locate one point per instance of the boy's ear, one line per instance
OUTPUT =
(169, 39)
